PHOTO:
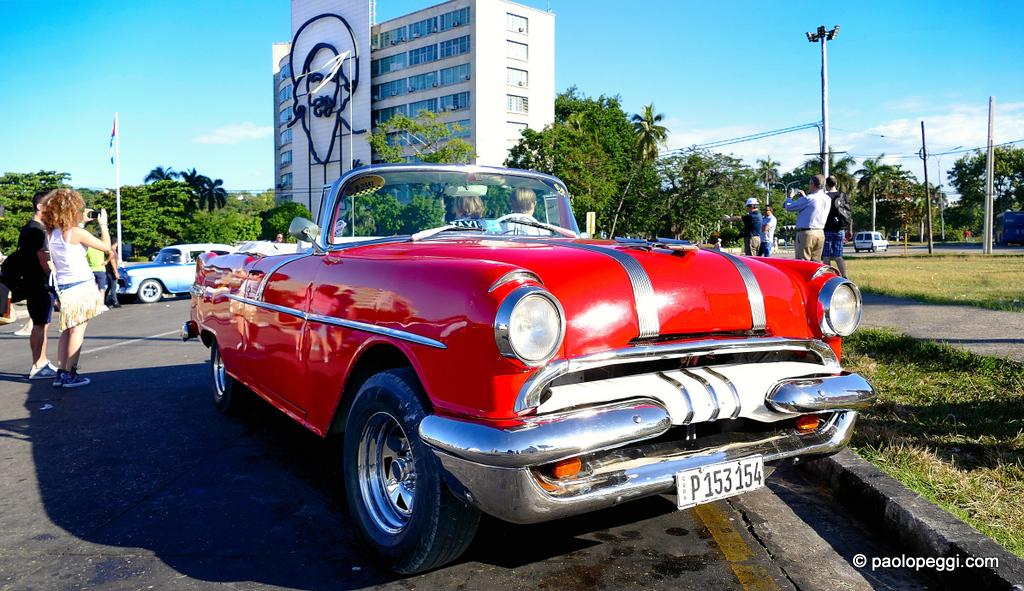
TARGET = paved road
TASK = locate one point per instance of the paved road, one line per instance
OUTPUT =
(136, 482)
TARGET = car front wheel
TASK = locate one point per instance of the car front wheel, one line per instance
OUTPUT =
(150, 291)
(400, 505)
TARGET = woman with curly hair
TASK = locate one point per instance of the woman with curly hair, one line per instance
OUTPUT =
(80, 300)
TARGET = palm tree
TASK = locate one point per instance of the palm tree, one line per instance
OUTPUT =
(768, 170)
(839, 169)
(212, 194)
(161, 174)
(873, 177)
(649, 134)
(191, 178)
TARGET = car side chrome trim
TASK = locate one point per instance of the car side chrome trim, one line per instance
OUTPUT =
(686, 396)
(728, 382)
(274, 269)
(759, 317)
(531, 391)
(711, 391)
(351, 324)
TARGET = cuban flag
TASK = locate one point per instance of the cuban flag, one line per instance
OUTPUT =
(113, 134)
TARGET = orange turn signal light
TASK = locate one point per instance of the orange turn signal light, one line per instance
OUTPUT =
(807, 422)
(567, 468)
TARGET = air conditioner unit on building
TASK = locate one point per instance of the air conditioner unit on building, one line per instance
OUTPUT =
(435, 85)
(392, 41)
(410, 89)
(402, 39)
(522, 29)
(455, 24)
(467, 76)
(394, 92)
(520, 83)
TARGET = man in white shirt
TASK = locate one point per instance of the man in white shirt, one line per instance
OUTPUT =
(768, 232)
(812, 211)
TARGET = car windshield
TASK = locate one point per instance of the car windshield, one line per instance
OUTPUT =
(408, 201)
(168, 256)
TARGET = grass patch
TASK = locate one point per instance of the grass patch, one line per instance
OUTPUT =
(949, 424)
(986, 281)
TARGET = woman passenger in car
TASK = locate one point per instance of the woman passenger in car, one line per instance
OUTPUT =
(79, 298)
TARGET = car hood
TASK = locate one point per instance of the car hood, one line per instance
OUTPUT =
(148, 267)
(614, 294)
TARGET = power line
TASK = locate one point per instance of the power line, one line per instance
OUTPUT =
(746, 138)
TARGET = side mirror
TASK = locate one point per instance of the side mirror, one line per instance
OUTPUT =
(306, 231)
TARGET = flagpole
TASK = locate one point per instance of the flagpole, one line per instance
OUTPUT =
(117, 173)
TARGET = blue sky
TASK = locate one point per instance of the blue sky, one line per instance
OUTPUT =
(191, 79)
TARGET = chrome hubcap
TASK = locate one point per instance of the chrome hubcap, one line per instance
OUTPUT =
(150, 291)
(219, 376)
(387, 473)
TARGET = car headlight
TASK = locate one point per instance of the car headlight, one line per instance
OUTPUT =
(529, 325)
(839, 307)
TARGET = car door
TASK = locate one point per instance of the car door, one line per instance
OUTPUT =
(277, 346)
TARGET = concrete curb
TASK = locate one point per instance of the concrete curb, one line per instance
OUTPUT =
(916, 525)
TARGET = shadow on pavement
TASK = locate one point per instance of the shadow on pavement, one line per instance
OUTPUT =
(152, 468)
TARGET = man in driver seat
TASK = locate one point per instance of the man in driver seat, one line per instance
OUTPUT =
(522, 202)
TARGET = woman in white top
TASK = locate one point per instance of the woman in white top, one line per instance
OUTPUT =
(79, 298)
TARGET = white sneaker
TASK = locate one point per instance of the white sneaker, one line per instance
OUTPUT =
(24, 331)
(46, 372)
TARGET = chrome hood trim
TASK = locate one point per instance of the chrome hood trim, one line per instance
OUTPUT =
(759, 317)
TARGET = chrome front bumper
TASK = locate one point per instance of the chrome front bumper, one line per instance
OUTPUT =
(495, 469)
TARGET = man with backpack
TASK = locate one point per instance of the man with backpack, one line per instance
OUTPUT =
(838, 226)
(39, 298)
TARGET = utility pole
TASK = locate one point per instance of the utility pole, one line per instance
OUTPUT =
(927, 192)
(824, 35)
(989, 189)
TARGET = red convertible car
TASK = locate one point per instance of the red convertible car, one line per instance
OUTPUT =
(478, 354)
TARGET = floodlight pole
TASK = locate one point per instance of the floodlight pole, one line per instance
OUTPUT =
(824, 35)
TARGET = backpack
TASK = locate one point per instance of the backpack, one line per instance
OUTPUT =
(841, 211)
(12, 274)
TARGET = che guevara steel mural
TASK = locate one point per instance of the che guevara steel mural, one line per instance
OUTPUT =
(325, 83)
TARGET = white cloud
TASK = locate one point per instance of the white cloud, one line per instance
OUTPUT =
(230, 135)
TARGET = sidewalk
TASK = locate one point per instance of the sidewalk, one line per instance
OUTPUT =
(986, 332)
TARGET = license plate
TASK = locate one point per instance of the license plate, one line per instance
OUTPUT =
(705, 484)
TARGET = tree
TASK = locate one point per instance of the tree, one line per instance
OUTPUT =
(212, 194)
(837, 168)
(161, 174)
(697, 188)
(152, 216)
(431, 138)
(223, 227)
(649, 135)
(968, 177)
(16, 193)
(276, 221)
(873, 178)
(592, 147)
(768, 174)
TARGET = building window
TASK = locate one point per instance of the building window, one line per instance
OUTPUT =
(423, 55)
(518, 77)
(286, 179)
(454, 102)
(518, 104)
(515, 130)
(387, 64)
(518, 51)
(464, 130)
(388, 38)
(425, 105)
(383, 115)
(286, 115)
(516, 23)
(452, 75)
(422, 82)
(286, 137)
(286, 93)
(286, 71)
(455, 47)
(286, 157)
(458, 18)
(423, 28)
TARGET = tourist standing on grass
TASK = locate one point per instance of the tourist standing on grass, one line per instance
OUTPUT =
(80, 300)
(768, 231)
(811, 212)
(752, 223)
(38, 297)
(838, 226)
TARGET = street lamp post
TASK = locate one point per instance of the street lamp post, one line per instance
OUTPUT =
(824, 35)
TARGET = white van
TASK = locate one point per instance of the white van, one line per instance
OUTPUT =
(872, 241)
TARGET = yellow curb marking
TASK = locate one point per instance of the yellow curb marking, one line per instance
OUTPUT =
(752, 577)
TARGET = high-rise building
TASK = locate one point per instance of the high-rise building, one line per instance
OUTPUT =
(484, 65)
